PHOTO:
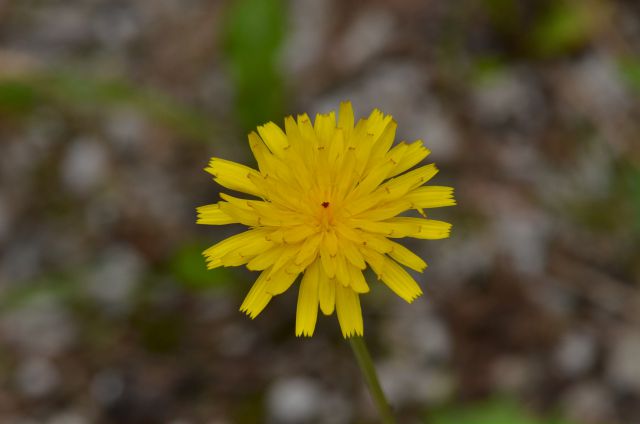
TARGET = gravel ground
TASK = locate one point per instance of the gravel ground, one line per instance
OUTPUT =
(109, 110)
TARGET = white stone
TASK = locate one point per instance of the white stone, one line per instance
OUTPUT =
(304, 43)
(509, 97)
(84, 166)
(116, 276)
(68, 417)
(623, 364)
(36, 377)
(369, 33)
(522, 235)
(107, 386)
(293, 400)
(41, 326)
(588, 403)
(576, 353)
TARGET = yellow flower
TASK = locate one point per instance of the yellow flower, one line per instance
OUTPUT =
(327, 200)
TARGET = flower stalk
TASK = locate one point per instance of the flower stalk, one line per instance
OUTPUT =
(371, 378)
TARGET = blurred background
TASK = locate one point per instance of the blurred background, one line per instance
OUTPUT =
(110, 110)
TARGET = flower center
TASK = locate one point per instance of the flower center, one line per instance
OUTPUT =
(326, 218)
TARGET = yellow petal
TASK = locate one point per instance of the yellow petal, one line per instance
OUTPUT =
(349, 312)
(280, 281)
(406, 257)
(257, 298)
(286, 256)
(309, 248)
(406, 227)
(331, 242)
(426, 228)
(345, 119)
(352, 253)
(431, 197)
(400, 281)
(326, 292)
(246, 252)
(324, 126)
(233, 243)
(267, 258)
(358, 283)
(298, 233)
(307, 311)
(233, 176)
(212, 215)
(401, 185)
(413, 155)
(274, 138)
(386, 211)
(383, 144)
(328, 260)
(342, 272)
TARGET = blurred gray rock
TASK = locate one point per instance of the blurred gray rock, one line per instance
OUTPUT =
(576, 353)
(513, 374)
(22, 259)
(522, 235)
(125, 129)
(369, 33)
(236, 340)
(405, 382)
(588, 403)
(41, 326)
(36, 377)
(335, 408)
(400, 89)
(477, 248)
(5, 219)
(294, 400)
(116, 25)
(59, 28)
(115, 277)
(623, 364)
(429, 122)
(417, 333)
(596, 84)
(303, 45)
(84, 166)
(107, 386)
(69, 417)
(388, 86)
(510, 98)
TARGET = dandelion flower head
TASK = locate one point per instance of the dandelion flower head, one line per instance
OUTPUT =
(327, 201)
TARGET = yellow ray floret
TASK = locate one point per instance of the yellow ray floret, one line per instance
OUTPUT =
(326, 200)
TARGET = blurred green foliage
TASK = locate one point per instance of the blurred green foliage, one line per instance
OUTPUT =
(64, 287)
(497, 411)
(189, 268)
(82, 94)
(630, 71)
(633, 184)
(550, 29)
(253, 36)
(566, 25)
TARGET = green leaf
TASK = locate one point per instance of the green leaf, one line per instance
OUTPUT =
(630, 72)
(189, 268)
(633, 183)
(497, 411)
(567, 25)
(92, 94)
(17, 97)
(253, 36)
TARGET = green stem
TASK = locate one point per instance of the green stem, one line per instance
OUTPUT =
(369, 372)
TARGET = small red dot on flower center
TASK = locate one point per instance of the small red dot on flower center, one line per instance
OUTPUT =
(325, 204)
